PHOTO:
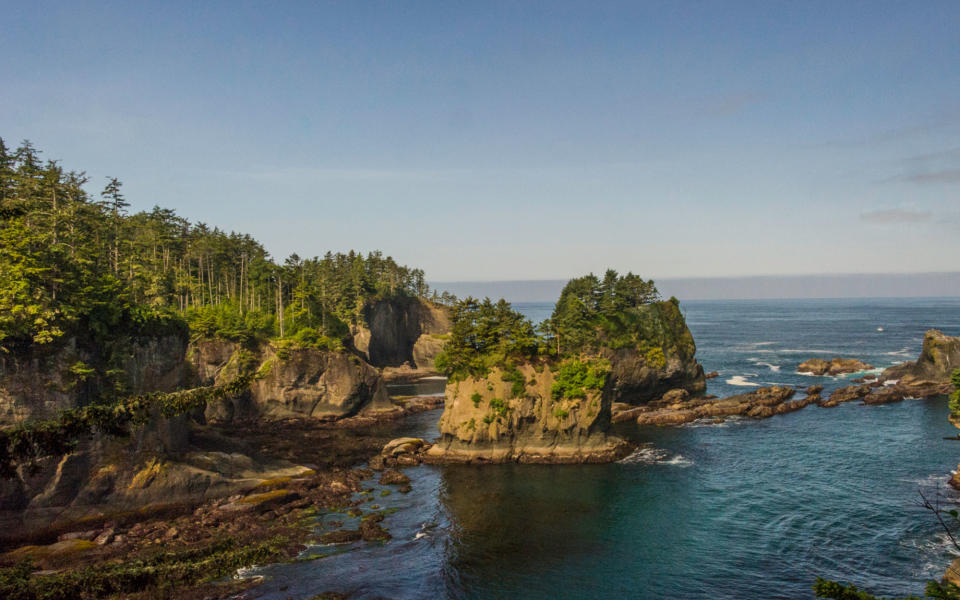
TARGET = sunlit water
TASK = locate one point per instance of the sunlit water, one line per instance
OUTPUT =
(745, 509)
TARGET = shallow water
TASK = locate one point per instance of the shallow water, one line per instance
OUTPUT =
(745, 509)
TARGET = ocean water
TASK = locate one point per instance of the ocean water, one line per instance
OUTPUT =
(744, 509)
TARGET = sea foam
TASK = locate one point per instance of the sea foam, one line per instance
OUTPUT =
(741, 381)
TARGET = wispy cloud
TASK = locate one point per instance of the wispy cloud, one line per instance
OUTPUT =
(895, 216)
(944, 176)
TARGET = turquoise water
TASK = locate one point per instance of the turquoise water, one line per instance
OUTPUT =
(745, 509)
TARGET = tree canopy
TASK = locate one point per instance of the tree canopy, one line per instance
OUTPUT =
(76, 264)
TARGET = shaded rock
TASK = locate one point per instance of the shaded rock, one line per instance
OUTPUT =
(885, 395)
(392, 477)
(674, 396)
(846, 394)
(404, 331)
(341, 536)
(813, 389)
(371, 530)
(711, 375)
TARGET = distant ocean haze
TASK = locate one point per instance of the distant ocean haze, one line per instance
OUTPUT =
(854, 285)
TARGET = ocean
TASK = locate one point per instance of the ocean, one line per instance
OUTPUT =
(743, 509)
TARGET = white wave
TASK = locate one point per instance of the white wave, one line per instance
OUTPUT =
(741, 381)
(678, 460)
(248, 573)
(891, 382)
(711, 422)
(771, 366)
(651, 456)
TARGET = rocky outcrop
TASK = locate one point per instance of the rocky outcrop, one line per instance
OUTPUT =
(665, 362)
(37, 385)
(165, 462)
(677, 408)
(161, 465)
(304, 382)
(835, 366)
(483, 422)
(938, 359)
(403, 331)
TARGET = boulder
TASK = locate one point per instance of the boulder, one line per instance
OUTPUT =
(405, 445)
(392, 477)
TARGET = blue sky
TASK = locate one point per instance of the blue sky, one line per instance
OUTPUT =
(518, 140)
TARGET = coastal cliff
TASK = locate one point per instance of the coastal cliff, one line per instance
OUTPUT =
(37, 384)
(168, 460)
(516, 415)
(293, 381)
(664, 360)
(403, 332)
(938, 359)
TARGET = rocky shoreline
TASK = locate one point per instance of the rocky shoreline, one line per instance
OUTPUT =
(282, 510)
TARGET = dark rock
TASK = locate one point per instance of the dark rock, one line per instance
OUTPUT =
(371, 531)
(391, 477)
(711, 375)
(341, 536)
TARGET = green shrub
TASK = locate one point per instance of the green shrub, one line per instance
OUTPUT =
(575, 377)
(499, 407)
(955, 396)
(476, 398)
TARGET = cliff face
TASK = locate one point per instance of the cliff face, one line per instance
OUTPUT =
(169, 460)
(937, 361)
(481, 422)
(403, 331)
(665, 362)
(36, 386)
(302, 382)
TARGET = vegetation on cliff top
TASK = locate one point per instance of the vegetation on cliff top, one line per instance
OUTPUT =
(76, 266)
(73, 264)
(591, 315)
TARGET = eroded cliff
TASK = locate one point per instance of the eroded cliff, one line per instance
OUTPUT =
(663, 360)
(403, 331)
(516, 416)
